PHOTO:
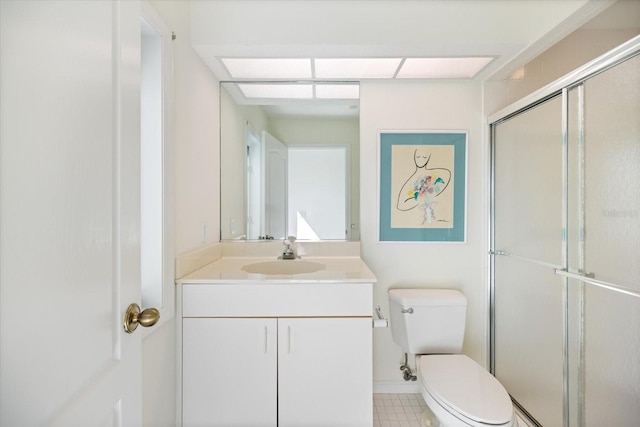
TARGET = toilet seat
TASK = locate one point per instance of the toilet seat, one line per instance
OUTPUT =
(465, 389)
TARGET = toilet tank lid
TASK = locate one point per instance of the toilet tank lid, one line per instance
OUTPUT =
(427, 297)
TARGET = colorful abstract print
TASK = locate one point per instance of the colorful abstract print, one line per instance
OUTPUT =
(425, 188)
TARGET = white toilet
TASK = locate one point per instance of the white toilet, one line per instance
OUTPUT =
(431, 323)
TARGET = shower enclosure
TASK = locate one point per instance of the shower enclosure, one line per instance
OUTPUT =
(565, 247)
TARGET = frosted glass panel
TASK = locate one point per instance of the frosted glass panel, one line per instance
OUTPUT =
(528, 183)
(604, 225)
(612, 174)
(612, 359)
(529, 336)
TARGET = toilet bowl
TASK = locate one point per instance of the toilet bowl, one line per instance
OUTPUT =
(462, 393)
(430, 323)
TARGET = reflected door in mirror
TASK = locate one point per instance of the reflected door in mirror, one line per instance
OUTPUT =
(276, 186)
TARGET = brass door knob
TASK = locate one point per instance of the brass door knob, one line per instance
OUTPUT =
(133, 317)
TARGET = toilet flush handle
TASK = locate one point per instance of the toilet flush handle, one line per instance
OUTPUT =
(408, 310)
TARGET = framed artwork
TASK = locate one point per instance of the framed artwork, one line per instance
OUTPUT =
(422, 186)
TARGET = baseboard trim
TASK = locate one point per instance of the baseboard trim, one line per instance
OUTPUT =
(399, 387)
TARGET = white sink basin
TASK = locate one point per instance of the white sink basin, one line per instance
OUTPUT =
(283, 267)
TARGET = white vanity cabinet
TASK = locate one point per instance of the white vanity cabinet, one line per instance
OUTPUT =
(287, 355)
(229, 372)
(324, 372)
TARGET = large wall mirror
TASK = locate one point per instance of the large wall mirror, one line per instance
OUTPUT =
(289, 161)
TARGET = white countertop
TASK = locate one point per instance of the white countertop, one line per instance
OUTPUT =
(229, 269)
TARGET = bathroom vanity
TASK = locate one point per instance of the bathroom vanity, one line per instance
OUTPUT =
(262, 347)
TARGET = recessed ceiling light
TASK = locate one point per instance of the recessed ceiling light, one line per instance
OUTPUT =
(282, 91)
(268, 68)
(338, 91)
(356, 68)
(518, 74)
(442, 68)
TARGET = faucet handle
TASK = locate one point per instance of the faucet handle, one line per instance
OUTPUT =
(289, 252)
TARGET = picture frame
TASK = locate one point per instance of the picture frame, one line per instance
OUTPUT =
(422, 186)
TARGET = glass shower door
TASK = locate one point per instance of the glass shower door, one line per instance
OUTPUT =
(565, 294)
(604, 243)
(528, 351)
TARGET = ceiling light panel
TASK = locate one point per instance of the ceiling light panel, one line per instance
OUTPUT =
(268, 68)
(338, 91)
(356, 68)
(442, 68)
(279, 91)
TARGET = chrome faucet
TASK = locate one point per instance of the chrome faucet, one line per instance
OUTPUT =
(289, 248)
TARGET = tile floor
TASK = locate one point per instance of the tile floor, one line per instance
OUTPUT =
(401, 410)
(398, 410)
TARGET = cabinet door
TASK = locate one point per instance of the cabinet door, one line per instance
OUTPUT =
(229, 372)
(325, 372)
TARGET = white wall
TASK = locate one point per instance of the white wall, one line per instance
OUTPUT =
(197, 198)
(197, 135)
(424, 105)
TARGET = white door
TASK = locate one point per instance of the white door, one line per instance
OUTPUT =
(70, 213)
(325, 372)
(229, 372)
(255, 210)
(276, 155)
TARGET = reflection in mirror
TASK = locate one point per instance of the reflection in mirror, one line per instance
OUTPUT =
(289, 161)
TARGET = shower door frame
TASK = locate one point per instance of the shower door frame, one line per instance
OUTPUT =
(560, 87)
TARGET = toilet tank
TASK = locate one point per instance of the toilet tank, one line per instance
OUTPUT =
(428, 321)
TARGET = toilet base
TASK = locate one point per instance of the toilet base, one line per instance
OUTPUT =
(428, 418)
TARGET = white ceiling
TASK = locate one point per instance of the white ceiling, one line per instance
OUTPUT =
(510, 31)
(504, 29)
